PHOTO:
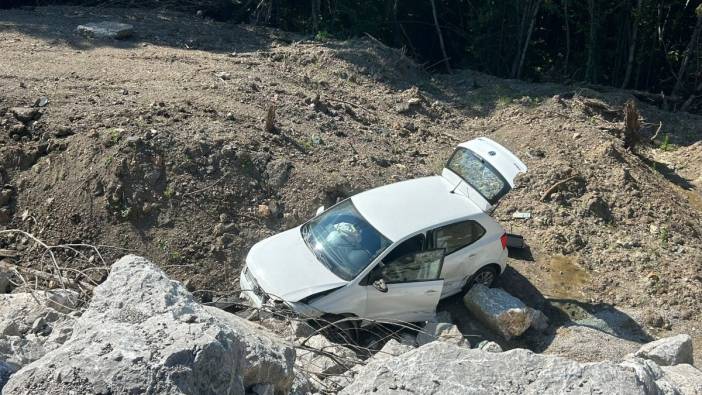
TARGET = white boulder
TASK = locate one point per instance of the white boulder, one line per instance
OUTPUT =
(442, 368)
(144, 333)
(686, 379)
(498, 310)
(668, 351)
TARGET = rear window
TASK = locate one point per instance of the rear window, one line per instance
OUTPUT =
(479, 174)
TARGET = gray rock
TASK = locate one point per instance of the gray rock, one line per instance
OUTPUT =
(489, 346)
(391, 349)
(113, 30)
(597, 207)
(301, 385)
(317, 359)
(539, 321)
(144, 333)
(686, 379)
(441, 331)
(301, 329)
(498, 310)
(25, 114)
(647, 372)
(668, 351)
(31, 325)
(585, 344)
(443, 368)
(277, 172)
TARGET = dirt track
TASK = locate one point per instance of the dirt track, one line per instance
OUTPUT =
(156, 145)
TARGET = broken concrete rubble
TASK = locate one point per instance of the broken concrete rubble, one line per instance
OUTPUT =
(498, 310)
(144, 333)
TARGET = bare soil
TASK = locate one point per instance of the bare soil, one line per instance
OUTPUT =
(156, 145)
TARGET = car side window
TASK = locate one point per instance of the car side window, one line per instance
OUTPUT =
(456, 236)
(409, 246)
(418, 266)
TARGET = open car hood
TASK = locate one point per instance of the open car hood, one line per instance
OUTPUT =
(285, 268)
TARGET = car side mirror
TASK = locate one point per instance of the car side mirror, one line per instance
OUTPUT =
(320, 210)
(380, 285)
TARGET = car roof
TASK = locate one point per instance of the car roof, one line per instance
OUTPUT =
(403, 208)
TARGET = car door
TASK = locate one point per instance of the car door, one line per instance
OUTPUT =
(462, 242)
(412, 287)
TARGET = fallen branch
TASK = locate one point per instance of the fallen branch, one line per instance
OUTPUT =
(655, 135)
(5, 265)
(555, 186)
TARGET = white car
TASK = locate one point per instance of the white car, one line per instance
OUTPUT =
(391, 253)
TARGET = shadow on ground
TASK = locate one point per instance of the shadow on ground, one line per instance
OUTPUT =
(57, 25)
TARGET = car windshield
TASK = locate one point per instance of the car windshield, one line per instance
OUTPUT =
(479, 174)
(343, 240)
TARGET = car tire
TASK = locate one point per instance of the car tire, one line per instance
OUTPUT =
(485, 276)
(340, 329)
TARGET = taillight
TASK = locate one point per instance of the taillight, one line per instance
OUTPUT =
(503, 239)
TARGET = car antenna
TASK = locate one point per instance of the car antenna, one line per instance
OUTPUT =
(456, 187)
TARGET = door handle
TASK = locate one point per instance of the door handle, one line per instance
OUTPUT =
(431, 291)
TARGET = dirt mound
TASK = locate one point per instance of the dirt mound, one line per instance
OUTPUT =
(156, 145)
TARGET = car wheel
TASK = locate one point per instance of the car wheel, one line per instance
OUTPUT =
(485, 276)
(340, 329)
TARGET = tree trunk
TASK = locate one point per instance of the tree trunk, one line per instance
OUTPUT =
(591, 66)
(632, 45)
(316, 14)
(441, 37)
(567, 32)
(519, 61)
(396, 28)
(688, 51)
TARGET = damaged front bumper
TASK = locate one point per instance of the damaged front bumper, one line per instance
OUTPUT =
(252, 291)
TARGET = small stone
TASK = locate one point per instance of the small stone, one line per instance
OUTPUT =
(41, 102)
(5, 215)
(264, 211)
(114, 30)
(63, 131)
(5, 196)
(24, 114)
(441, 331)
(223, 75)
(489, 346)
